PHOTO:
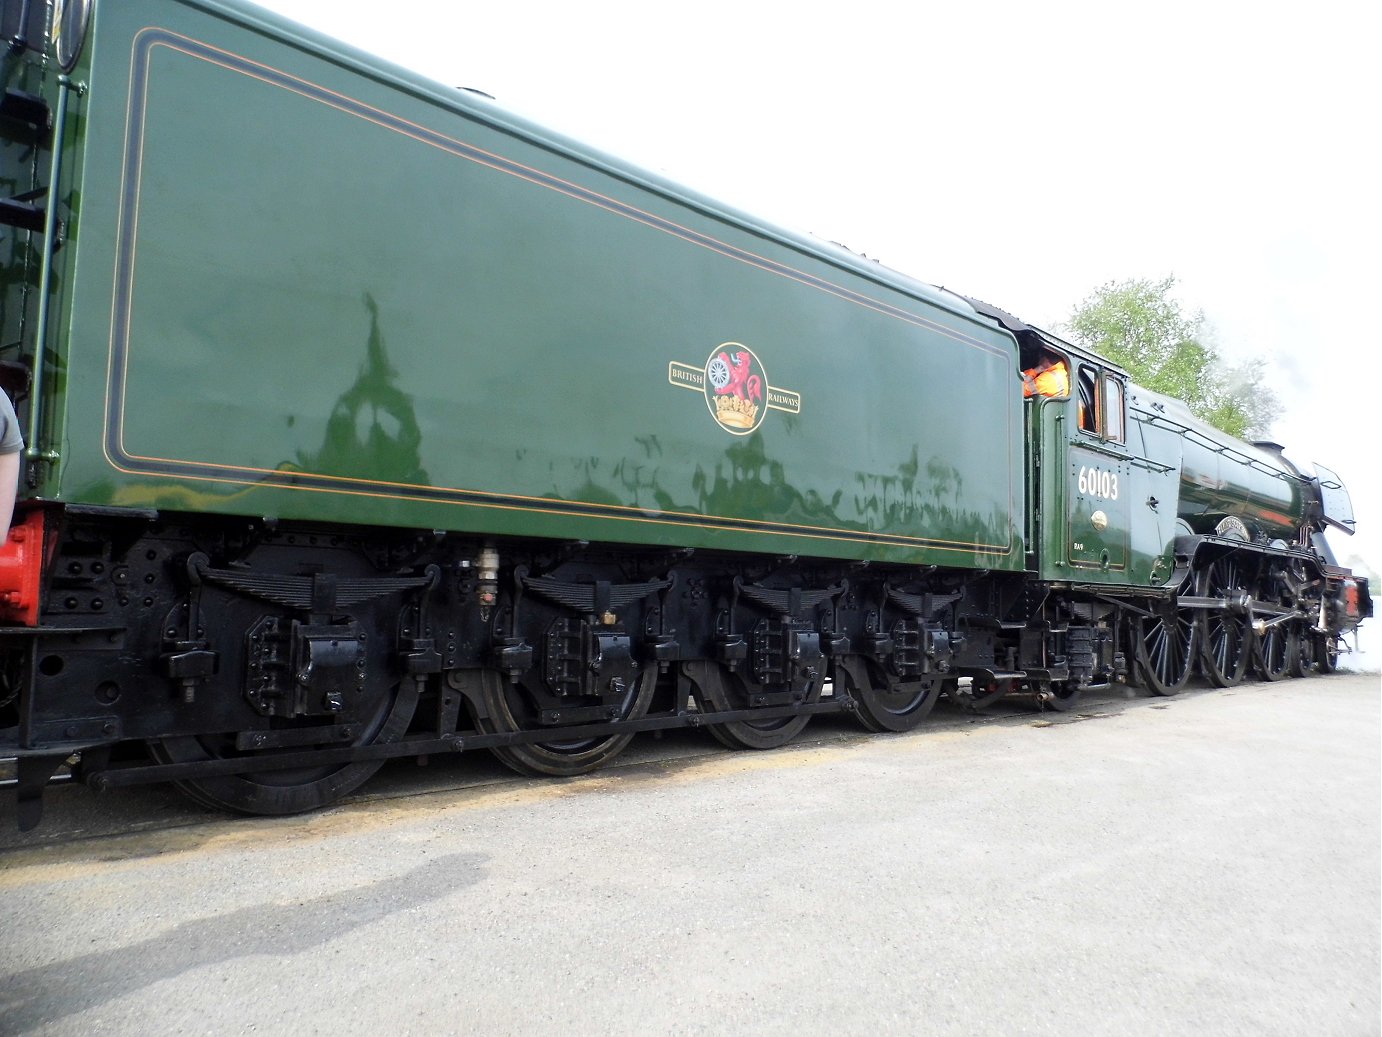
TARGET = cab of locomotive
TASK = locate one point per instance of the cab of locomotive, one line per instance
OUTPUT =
(1087, 473)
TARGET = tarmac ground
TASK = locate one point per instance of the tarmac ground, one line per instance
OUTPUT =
(1209, 863)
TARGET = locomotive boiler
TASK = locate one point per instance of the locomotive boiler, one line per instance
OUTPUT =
(367, 420)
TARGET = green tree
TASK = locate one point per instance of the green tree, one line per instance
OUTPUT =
(1138, 325)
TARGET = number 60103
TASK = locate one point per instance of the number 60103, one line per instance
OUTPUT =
(1099, 482)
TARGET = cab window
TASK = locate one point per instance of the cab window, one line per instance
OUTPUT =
(1102, 405)
(1089, 399)
(1113, 409)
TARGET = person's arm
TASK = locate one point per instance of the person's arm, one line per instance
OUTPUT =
(9, 487)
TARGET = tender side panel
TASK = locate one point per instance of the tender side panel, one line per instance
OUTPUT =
(325, 297)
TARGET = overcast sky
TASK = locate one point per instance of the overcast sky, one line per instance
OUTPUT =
(1021, 153)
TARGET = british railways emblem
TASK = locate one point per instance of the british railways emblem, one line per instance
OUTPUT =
(736, 388)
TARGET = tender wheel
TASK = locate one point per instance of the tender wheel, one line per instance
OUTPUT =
(1276, 652)
(719, 690)
(508, 709)
(759, 734)
(1166, 651)
(885, 703)
(1225, 637)
(290, 791)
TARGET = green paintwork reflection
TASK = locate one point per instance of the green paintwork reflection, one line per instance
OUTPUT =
(1247, 483)
(373, 432)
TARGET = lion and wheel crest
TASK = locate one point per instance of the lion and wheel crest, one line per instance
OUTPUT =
(736, 387)
(733, 390)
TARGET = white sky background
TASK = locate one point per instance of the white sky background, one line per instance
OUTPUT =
(1020, 153)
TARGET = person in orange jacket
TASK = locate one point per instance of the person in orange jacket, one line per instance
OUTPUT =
(1050, 377)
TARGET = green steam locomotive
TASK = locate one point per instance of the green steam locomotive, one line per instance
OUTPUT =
(366, 420)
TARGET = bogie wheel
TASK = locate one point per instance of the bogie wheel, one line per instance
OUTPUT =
(294, 790)
(1166, 650)
(1305, 662)
(980, 696)
(883, 702)
(1225, 636)
(1061, 696)
(1326, 652)
(1276, 652)
(507, 710)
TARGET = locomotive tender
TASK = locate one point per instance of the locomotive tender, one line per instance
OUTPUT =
(366, 420)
